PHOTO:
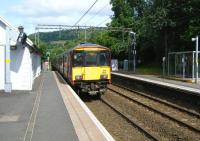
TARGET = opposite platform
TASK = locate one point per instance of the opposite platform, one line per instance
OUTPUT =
(183, 86)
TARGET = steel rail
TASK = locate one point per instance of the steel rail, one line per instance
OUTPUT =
(131, 120)
(159, 112)
(189, 112)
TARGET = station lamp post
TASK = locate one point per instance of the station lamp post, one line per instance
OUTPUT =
(48, 55)
(133, 35)
(196, 61)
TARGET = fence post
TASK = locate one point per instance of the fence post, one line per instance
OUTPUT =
(175, 64)
(163, 64)
(193, 65)
(168, 65)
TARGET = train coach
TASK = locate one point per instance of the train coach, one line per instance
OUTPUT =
(86, 67)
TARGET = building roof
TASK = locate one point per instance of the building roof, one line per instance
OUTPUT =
(15, 29)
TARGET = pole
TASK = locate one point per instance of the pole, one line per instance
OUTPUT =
(48, 63)
(197, 52)
(38, 39)
(193, 66)
(134, 50)
(35, 36)
(8, 84)
(168, 65)
(60, 32)
(183, 63)
(163, 64)
(134, 53)
(78, 32)
(85, 35)
(175, 64)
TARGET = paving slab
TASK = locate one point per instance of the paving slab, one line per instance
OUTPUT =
(38, 115)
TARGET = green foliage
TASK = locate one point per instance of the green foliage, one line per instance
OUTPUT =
(57, 35)
(149, 69)
(161, 26)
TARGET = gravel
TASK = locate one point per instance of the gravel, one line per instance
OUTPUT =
(118, 127)
(166, 129)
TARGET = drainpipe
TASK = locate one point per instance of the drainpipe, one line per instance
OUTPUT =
(8, 84)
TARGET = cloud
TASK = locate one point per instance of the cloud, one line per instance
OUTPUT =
(46, 8)
(35, 12)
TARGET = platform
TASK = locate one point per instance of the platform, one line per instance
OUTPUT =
(50, 112)
(183, 86)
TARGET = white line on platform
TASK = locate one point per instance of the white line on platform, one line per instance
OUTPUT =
(30, 127)
(91, 115)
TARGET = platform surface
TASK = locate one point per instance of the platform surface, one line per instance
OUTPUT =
(52, 111)
(190, 87)
(39, 115)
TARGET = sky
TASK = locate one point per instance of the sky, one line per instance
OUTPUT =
(29, 13)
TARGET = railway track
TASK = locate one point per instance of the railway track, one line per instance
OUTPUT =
(183, 117)
(182, 109)
(132, 120)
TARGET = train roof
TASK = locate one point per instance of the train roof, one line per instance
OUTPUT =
(88, 45)
(84, 45)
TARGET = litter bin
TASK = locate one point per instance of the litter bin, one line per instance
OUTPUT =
(125, 67)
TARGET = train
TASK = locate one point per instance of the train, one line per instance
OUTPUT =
(86, 68)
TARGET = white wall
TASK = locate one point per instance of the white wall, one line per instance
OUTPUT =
(2, 33)
(33, 57)
(2, 68)
(2, 55)
(36, 65)
(25, 67)
(21, 66)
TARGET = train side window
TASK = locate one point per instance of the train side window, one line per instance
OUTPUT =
(78, 59)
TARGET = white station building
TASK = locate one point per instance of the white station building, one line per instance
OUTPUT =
(19, 64)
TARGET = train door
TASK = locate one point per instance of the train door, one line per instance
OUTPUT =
(65, 64)
(69, 71)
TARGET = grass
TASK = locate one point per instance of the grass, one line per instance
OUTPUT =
(149, 70)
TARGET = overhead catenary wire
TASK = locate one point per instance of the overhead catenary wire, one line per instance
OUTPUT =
(103, 21)
(96, 13)
(85, 13)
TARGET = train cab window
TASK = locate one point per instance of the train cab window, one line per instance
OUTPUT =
(91, 58)
(104, 59)
(78, 59)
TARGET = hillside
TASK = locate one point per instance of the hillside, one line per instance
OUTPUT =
(49, 37)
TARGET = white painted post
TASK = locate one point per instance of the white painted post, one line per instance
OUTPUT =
(192, 66)
(197, 52)
(183, 63)
(8, 84)
(196, 57)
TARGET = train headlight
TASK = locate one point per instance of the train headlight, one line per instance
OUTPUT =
(104, 76)
(78, 77)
